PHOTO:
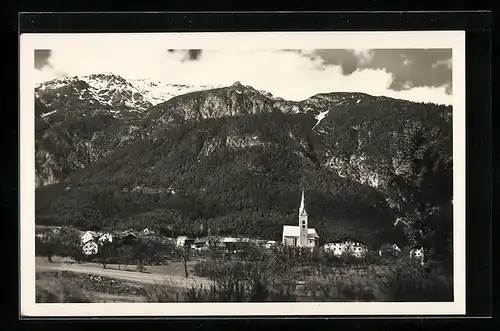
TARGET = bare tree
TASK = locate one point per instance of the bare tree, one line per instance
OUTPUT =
(185, 258)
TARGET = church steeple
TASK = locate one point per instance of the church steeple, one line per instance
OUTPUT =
(303, 226)
(302, 208)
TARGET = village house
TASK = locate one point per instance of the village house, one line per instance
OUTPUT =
(183, 241)
(88, 236)
(199, 244)
(230, 243)
(179, 242)
(389, 249)
(346, 245)
(41, 236)
(417, 253)
(147, 232)
(301, 235)
(90, 248)
(105, 238)
(270, 244)
(89, 243)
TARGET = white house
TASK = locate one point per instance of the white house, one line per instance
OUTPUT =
(41, 236)
(343, 246)
(417, 253)
(301, 235)
(391, 249)
(227, 240)
(87, 236)
(90, 248)
(199, 244)
(180, 241)
(105, 238)
(270, 244)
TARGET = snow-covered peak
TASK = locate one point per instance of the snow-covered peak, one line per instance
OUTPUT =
(136, 94)
(156, 91)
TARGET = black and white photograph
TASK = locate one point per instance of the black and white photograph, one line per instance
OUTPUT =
(301, 173)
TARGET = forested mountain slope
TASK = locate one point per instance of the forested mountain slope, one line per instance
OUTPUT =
(234, 160)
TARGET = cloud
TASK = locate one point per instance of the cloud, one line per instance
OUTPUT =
(42, 57)
(421, 67)
(348, 60)
(291, 74)
(365, 56)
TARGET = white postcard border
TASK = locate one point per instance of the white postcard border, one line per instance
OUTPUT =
(454, 40)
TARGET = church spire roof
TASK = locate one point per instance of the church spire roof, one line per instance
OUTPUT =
(302, 208)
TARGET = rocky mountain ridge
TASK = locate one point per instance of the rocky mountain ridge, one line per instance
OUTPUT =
(111, 91)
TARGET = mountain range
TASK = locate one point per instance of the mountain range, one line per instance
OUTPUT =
(117, 153)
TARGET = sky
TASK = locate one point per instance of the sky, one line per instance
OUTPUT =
(421, 75)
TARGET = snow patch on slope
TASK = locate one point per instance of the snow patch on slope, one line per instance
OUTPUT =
(320, 117)
(49, 113)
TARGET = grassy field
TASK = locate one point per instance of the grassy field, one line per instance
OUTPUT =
(64, 280)
(123, 283)
(116, 283)
(174, 269)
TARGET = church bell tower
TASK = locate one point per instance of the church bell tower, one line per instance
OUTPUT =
(302, 223)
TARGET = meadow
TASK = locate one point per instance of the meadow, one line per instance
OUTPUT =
(251, 275)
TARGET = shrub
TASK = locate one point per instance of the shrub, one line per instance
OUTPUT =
(161, 293)
(281, 294)
(201, 294)
(58, 290)
(407, 281)
(321, 292)
(202, 269)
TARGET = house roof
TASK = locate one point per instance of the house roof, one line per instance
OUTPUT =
(293, 231)
(389, 246)
(128, 235)
(229, 240)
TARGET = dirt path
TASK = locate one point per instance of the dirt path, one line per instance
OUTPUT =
(131, 276)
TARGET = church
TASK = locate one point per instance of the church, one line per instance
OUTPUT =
(301, 235)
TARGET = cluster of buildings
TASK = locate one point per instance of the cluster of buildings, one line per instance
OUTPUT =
(304, 236)
(300, 235)
(292, 236)
(229, 243)
(91, 241)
